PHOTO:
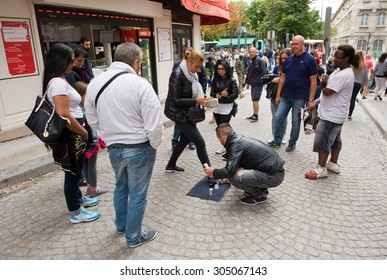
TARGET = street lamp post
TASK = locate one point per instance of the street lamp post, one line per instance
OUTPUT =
(230, 33)
(271, 24)
(241, 29)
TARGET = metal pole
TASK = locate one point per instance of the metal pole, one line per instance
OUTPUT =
(271, 23)
(368, 43)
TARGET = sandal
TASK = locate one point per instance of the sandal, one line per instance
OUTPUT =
(98, 191)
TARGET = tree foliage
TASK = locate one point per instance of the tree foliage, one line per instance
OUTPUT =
(289, 16)
(237, 14)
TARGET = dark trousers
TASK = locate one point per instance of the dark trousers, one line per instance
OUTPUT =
(189, 133)
(72, 192)
(355, 91)
(222, 118)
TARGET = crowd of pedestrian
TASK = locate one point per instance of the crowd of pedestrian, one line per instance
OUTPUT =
(120, 110)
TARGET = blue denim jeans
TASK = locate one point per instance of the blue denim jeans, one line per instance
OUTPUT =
(282, 112)
(133, 170)
(274, 107)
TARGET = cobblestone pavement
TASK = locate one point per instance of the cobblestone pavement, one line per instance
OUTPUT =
(341, 217)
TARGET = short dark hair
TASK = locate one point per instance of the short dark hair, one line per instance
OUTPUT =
(223, 129)
(84, 39)
(78, 51)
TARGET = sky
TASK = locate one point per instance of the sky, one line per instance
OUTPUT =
(318, 4)
(323, 4)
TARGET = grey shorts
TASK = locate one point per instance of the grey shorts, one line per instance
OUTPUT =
(256, 92)
(327, 137)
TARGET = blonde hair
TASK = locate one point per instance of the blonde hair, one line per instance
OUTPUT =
(195, 57)
(360, 56)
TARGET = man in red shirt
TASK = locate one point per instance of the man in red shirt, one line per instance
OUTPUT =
(370, 70)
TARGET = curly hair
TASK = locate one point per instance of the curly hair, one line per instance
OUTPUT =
(349, 51)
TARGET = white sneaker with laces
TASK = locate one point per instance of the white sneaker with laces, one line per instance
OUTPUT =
(333, 167)
(317, 173)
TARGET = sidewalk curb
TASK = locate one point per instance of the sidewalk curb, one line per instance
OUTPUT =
(375, 117)
(30, 169)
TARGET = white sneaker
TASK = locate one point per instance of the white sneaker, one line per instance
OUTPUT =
(333, 167)
(317, 173)
(220, 151)
(283, 141)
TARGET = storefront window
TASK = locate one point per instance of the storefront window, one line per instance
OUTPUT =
(182, 38)
(106, 31)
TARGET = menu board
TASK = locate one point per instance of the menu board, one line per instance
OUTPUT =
(17, 46)
(164, 40)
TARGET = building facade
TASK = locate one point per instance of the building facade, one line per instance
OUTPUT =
(162, 28)
(362, 24)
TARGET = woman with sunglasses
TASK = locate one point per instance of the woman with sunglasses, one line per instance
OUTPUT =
(225, 89)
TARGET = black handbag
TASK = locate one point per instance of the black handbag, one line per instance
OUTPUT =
(267, 78)
(196, 114)
(271, 90)
(45, 122)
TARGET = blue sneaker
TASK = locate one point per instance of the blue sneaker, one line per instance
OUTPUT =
(89, 202)
(85, 216)
(146, 236)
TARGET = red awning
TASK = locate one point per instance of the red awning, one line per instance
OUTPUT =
(210, 11)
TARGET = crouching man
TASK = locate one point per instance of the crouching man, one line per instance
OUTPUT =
(252, 166)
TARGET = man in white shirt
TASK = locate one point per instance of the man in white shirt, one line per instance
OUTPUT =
(333, 111)
(127, 115)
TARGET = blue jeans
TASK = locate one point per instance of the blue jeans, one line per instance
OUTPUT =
(133, 170)
(274, 107)
(282, 112)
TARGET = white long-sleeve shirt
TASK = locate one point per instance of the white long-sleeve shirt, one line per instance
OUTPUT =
(128, 110)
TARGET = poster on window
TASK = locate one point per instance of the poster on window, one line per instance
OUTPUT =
(164, 39)
(17, 49)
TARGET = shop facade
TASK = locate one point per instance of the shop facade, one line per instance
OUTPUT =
(29, 29)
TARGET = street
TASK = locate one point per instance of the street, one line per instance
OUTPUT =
(340, 217)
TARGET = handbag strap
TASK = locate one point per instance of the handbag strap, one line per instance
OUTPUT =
(107, 83)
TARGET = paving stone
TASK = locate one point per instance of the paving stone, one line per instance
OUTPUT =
(340, 217)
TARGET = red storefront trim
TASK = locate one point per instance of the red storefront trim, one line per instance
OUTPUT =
(211, 11)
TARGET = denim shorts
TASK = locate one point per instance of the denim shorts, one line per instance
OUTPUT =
(327, 137)
(256, 92)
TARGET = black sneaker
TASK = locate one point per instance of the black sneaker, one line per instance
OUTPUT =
(265, 191)
(291, 147)
(274, 145)
(146, 236)
(254, 118)
(173, 169)
(252, 200)
(249, 118)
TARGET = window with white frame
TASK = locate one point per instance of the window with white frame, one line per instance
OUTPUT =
(378, 45)
(381, 19)
(362, 45)
(364, 19)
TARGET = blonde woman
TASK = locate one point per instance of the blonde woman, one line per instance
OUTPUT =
(361, 81)
(184, 92)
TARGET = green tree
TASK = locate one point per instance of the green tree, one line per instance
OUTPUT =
(237, 14)
(290, 16)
